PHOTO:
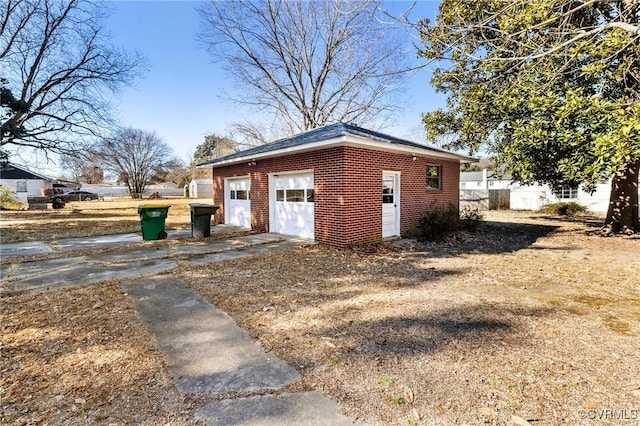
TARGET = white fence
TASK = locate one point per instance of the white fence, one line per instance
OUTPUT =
(123, 191)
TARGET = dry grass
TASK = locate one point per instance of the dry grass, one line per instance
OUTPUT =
(80, 356)
(88, 218)
(531, 317)
(476, 330)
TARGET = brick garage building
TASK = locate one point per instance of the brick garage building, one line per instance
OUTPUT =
(339, 185)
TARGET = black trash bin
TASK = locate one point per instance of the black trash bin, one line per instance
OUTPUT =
(201, 219)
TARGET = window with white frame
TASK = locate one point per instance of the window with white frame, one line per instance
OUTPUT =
(566, 192)
(21, 186)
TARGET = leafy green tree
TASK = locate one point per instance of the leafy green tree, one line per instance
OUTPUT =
(214, 146)
(552, 87)
(10, 106)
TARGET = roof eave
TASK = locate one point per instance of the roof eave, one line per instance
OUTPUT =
(24, 169)
(346, 140)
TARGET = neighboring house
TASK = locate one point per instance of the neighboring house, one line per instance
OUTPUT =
(339, 185)
(201, 188)
(484, 179)
(533, 197)
(24, 182)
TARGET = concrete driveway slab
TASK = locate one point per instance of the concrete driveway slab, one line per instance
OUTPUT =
(307, 408)
(57, 273)
(29, 269)
(69, 244)
(205, 350)
(24, 249)
(239, 253)
(131, 255)
(88, 273)
(210, 246)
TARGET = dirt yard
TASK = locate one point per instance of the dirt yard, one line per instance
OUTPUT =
(89, 218)
(531, 320)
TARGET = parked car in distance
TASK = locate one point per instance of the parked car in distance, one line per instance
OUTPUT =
(75, 196)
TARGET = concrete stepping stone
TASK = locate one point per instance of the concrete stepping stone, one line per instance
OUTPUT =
(85, 243)
(24, 249)
(204, 348)
(28, 269)
(88, 273)
(131, 255)
(237, 254)
(235, 243)
(307, 408)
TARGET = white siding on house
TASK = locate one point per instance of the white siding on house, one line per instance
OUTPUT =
(482, 180)
(535, 196)
(34, 187)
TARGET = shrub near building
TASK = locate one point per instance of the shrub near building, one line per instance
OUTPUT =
(564, 209)
(8, 200)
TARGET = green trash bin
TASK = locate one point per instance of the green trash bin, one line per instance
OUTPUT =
(152, 218)
(201, 219)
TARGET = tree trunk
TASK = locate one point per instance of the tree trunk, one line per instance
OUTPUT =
(622, 216)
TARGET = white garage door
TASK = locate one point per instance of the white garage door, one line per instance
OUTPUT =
(293, 204)
(237, 202)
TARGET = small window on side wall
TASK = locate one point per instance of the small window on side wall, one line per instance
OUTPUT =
(21, 186)
(434, 177)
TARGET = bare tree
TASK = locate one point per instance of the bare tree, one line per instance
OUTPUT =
(86, 168)
(58, 66)
(175, 171)
(307, 63)
(136, 157)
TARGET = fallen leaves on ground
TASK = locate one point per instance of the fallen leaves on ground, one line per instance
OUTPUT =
(494, 327)
(80, 356)
(529, 320)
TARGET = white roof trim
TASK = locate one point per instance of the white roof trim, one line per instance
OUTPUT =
(347, 140)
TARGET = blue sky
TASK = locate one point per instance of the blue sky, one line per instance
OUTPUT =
(179, 97)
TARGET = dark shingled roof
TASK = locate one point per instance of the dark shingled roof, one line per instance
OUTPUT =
(12, 171)
(327, 132)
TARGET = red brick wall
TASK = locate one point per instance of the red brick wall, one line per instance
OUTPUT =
(347, 189)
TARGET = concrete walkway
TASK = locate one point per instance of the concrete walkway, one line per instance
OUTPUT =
(208, 353)
(101, 241)
(205, 350)
(57, 273)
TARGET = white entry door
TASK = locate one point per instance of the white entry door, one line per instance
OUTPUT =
(237, 202)
(293, 199)
(390, 204)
